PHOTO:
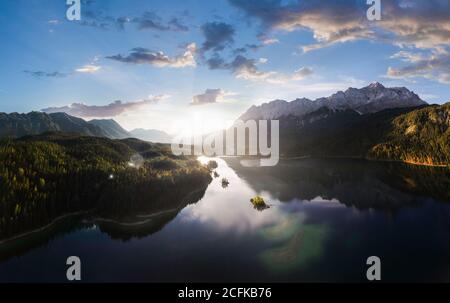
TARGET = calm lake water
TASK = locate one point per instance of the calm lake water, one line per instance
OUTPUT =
(326, 217)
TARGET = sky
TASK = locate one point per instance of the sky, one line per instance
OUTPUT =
(159, 64)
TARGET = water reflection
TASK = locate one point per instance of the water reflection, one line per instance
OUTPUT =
(228, 209)
(362, 184)
(138, 224)
(325, 218)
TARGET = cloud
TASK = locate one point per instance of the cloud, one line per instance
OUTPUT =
(42, 74)
(241, 66)
(177, 25)
(263, 41)
(121, 21)
(160, 59)
(244, 68)
(147, 21)
(216, 62)
(89, 69)
(246, 48)
(302, 73)
(330, 22)
(408, 56)
(422, 24)
(269, 41)
(409, 24)
(95, 24)
(111, 110)
(150, 20)
(290, 78)
(247, 69)
(444, 78)
(435, 66)
(217, 35)
(208, 97)
(98, 20)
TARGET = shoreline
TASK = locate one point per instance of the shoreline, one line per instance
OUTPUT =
(146, 219)
(366, 159)
(43, 228)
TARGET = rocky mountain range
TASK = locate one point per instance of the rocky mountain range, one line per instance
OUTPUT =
(373, 122)
(370, 99)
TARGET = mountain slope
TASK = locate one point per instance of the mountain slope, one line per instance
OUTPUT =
(67, 123)
(369, 99)
(417, 135)
(421, 136)
(17, 125)
(111, 128)
(151, 135)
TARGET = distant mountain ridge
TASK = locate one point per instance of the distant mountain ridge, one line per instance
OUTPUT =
(370, 99)
(152, 135)
(17, 125)
(111, 128)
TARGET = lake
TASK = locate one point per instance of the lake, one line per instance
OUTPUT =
(326, 217)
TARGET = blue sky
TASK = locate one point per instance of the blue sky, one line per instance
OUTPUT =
(210, 60)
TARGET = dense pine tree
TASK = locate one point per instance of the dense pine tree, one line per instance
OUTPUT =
(43, 177)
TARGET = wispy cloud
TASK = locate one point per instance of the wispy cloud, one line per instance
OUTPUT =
(248, 69)
(435, 66)
(177, 25)
(101, 111)
(302, 73)
(269, 41)
(89, 69)
(43, 74)
(54, 22)
(151, 21)
(158, 58)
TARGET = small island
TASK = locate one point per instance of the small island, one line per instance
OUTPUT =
(259, 203)
(225, 182)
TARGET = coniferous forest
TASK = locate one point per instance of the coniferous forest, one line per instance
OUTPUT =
(54, 174)
(413, 135)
